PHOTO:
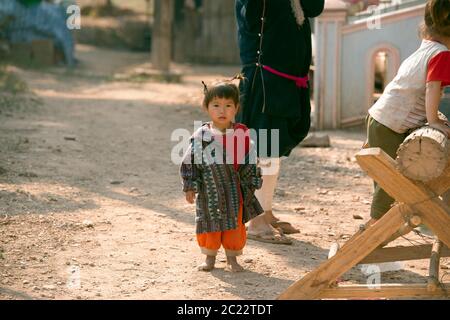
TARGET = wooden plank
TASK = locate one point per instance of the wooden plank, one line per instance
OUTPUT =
(401, 253)
(438, 185)
(433, 211)
(362, 228)
(441, 184)
(436, 215)
(446, 197)
(382, 168)
(310, 286)
(384, 291)
(404, 229)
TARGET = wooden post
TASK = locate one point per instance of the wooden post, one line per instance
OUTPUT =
(433, 276)
(162, 34)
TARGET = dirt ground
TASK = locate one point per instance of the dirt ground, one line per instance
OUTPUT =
(91, 205)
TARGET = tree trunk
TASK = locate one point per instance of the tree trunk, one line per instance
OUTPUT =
(162, 34)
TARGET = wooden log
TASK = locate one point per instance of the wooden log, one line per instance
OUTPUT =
(384, 291)
(433, 276)
(401, 253)
(415, 221)
(424, 154)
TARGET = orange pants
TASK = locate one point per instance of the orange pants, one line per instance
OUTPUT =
(233, 241)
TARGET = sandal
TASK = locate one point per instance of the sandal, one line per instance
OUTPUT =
(270, 238)
(285, 226)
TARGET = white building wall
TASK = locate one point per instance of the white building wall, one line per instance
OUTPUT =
(344, 61)
(402, 35)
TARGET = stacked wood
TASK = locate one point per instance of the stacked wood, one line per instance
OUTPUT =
(424, 154)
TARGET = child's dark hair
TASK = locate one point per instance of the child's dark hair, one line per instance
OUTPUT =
(437, 19)
(224, 89)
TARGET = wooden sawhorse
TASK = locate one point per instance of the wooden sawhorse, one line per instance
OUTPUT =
(418, 203)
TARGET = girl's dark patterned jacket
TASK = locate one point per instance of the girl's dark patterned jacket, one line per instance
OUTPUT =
(217, 182)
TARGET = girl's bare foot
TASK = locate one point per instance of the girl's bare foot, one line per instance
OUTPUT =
(208, 265)
(233, 265)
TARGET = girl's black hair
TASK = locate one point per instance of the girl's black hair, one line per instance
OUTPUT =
(437, 19)
(224, 89)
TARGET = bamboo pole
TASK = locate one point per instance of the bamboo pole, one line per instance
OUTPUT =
(433, 276)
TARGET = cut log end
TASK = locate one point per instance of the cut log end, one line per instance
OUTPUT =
(424, 154)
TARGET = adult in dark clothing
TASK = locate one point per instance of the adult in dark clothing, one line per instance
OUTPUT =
(275, 50)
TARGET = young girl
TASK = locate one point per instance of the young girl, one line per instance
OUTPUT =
(220, 167)
(413, 97)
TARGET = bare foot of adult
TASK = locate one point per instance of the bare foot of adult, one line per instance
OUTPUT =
(233, 265)
(277, 223)
(260, 229)
(208, 265)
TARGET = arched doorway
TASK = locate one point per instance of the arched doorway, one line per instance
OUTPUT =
(380, 74)
(383, 63)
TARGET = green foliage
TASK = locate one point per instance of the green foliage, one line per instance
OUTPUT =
(14, 93)
(106, 10)
(10, 82)
(130, 7)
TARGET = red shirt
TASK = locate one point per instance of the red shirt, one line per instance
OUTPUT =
(241, 136)
(439, 68)
(241, 144)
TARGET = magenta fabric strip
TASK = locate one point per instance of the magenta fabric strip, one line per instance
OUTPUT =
(299, 81)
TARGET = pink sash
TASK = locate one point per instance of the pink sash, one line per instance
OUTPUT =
(299, 81)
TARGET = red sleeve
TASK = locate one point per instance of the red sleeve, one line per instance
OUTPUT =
(439, 68)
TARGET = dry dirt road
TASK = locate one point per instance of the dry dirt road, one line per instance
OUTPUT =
(91, 206)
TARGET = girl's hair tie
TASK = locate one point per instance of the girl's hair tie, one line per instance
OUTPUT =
(238, 76)
(205, 88)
